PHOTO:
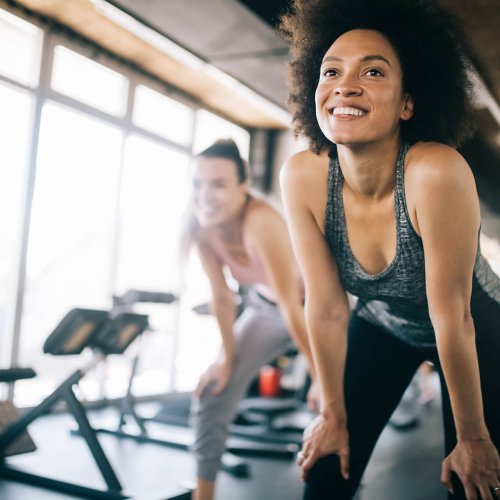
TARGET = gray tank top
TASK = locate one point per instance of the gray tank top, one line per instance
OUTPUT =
(394, 299)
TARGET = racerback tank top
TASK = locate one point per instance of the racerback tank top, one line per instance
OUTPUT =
(395, 299)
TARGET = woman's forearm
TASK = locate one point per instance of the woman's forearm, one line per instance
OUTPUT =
(328, 338)
(458, 357)
(294, 318)
(225, 313)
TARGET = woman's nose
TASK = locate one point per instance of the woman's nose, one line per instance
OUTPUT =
(348, 86)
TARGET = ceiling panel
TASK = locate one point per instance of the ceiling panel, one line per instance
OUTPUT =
(223, 32)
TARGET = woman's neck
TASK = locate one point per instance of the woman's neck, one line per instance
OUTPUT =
(368, 169)
(231, 230)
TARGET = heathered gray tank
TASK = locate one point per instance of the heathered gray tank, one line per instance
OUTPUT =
(395, 298)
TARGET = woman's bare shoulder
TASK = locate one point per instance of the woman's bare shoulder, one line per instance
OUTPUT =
(261, 213)
(437, 175)
(305, 165)
(304, 177)
(435, 164)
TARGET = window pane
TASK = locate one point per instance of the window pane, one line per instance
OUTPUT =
(71, 237)
(153, 195)
(15, 127)
(87, 81)
(199, 338)
(162, 115)
(210, 127)
(154, 192)
(20, 46)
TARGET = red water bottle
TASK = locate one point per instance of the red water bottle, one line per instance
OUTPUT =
(269, 381)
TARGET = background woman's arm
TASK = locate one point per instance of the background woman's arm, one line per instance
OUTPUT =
(224, 310)
(268, 233)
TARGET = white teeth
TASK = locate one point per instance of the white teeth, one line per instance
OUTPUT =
(349, 111)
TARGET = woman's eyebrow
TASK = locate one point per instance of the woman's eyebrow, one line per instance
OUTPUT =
(374, 57)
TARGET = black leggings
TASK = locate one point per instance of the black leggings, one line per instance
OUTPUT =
(378, 369)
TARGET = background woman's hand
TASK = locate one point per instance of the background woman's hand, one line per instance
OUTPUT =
(219, 373)
(323, 437)
(477, 465)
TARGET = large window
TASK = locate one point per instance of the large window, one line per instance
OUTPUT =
(154, 191)
(96, 208)
(15, 124)
(71, 233)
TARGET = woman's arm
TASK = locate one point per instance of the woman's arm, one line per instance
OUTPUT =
(224, 310)
(447, 212)
(303, 182)
(268, 234)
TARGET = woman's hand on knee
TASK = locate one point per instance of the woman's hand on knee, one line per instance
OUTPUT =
(477, 465)
(324, 437)
(217, 373)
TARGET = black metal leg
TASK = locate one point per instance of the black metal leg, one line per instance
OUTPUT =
(89, 435)
(20, 425)
(14, 474)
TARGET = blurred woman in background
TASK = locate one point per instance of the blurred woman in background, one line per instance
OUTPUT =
(233, 229)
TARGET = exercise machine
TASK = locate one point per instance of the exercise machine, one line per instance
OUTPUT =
(105, 334)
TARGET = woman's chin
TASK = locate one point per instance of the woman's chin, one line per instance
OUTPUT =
(208, 221)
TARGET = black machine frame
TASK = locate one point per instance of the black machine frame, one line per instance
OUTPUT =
(105, 334)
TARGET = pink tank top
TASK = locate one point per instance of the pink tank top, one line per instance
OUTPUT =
(252, 273)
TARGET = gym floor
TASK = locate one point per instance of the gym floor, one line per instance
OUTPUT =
(405, 465)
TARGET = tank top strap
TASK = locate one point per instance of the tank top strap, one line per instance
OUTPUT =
(400, 168)
(334, 206)
(403, 220)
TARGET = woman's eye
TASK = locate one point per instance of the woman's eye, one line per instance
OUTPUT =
(373, 72)
(330, 72)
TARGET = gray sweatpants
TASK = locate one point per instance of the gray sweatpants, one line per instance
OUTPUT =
(260, 337)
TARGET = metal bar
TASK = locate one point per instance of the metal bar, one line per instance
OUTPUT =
(89, 434)
(14, 474)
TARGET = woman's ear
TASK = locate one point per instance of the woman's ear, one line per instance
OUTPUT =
(244, 188)
(407, 111)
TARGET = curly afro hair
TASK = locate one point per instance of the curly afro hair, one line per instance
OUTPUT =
(428, 40)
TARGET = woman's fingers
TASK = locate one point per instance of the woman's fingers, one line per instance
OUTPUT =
(485, 493)
(200, 387)
(446, 476)
(307, 463)
(476, 464)
(344, 463)
(470, 491)
(219, 386)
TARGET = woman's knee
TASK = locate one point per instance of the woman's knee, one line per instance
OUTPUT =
(324, 481)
